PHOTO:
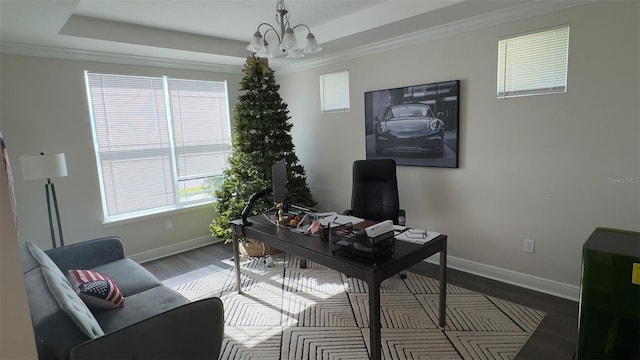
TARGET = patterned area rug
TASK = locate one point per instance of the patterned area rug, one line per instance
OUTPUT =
(317, 313)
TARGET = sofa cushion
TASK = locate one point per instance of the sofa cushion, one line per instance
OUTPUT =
(129, 275)
(31, 256)
(71, 304)
(60, 318)
(97, 290)
(140, 306)
(50, 294)
(87, 254)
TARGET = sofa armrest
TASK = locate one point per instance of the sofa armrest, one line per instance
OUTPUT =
(88, 254)
(191, 331)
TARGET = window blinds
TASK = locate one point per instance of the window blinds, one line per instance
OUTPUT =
(334, 92)
(201, 146)
(156, 140)
(534, 63)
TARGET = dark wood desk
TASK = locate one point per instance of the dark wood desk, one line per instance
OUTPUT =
(313, 249)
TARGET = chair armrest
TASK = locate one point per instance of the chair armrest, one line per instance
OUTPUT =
(191, 331)
(88, 254)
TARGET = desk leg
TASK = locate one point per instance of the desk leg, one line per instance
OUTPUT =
(375, 336)
(443, 283)
(236, 260)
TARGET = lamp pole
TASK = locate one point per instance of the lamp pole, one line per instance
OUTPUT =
(47, 166)
(55, 206)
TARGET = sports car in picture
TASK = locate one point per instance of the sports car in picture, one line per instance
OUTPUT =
(410, 128)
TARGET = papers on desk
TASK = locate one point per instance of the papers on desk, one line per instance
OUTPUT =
(331, 219)
(416, 236)
(336, 219)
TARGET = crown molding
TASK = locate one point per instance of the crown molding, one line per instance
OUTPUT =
(474, 23)
(113, 58)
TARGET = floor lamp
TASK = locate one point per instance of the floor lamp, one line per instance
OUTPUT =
(46, 166)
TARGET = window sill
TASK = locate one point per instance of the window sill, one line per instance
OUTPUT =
(156, 214)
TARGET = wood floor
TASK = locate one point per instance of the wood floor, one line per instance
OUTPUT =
(554, 339)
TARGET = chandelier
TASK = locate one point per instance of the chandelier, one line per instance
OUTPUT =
(286, 39)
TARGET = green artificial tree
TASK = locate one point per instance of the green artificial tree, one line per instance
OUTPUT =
(261, 136)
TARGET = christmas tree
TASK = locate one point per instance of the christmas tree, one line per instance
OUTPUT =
(261, 136)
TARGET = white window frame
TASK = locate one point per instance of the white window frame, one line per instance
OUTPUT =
(535, 63)
(180, 201)
(334, 92)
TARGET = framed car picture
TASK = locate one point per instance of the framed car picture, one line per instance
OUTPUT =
(415, 125)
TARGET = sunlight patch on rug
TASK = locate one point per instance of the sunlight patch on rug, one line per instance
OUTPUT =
(316, 313)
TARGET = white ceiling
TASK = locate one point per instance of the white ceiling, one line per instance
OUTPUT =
(217, 31)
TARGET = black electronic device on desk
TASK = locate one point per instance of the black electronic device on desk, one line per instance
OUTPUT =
(281, 192)
(284, 211)
(364, 245)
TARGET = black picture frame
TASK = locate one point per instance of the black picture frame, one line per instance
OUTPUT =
(416, 125)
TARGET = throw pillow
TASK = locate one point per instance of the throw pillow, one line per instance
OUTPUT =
(97, 290)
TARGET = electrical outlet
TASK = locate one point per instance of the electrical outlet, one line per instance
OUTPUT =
(529, 246)
(169, 224)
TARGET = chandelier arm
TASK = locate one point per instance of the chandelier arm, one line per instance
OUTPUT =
(268, 25)
(308, 29)
(271, 28)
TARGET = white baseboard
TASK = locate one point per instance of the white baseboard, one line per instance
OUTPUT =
(551, 287)
(173, 249)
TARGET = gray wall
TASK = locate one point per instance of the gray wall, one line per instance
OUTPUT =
(536, 167)
(533, 167)
(44, 109)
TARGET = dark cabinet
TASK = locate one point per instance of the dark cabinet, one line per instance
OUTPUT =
(609, 320)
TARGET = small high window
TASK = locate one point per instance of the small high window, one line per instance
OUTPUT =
(534, 63)
(334, 92)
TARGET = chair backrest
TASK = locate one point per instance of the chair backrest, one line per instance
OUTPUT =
(374, 194)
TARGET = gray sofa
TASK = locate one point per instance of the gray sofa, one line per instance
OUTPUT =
(155, 322)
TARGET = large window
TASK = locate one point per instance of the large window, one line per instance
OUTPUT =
(534, 63)
(160, 143)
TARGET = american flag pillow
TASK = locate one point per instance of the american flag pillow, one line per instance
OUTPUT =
(95, 289)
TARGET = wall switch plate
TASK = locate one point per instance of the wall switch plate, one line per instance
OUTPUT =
(169, 224)
(529, 246)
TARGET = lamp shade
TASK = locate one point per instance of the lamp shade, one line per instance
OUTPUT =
(289, 41)
(265, 53)
(256, 44)
(43, 166)
(312, 45)
(294, 53)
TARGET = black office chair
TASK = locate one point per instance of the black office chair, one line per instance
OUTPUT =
(374, 193)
